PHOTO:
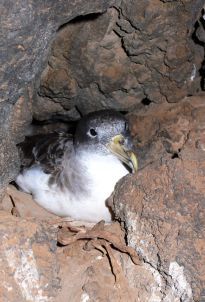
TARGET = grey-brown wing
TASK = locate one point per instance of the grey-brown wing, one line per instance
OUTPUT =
(46, 150)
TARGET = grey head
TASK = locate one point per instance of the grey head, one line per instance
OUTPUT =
(106, 132)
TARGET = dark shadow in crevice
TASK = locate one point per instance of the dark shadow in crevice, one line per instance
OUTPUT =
(198, 23)
(124, 112)
(194, 35)
(146, 101)
(80, 19)
(175, 155)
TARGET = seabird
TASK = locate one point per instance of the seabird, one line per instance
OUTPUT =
(73, 176)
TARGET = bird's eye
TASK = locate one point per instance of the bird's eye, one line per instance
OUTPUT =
(92, 132)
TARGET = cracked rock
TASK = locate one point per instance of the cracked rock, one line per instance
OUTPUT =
(162, 206)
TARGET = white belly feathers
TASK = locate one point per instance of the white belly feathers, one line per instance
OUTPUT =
(104, 171)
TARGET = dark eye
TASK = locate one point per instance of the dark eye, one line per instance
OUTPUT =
(92, 132)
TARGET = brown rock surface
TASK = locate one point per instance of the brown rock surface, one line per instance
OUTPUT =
(29, 270)
(113, 57)
(139, 50)
(37, 269)
(162, 206)
(158, 130)
(27, 30)
(124, 55)
(161, 210)
(23, 205)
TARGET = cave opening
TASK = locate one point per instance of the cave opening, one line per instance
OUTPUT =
(145, 60)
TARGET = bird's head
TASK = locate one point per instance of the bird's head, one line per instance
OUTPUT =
(106, 132)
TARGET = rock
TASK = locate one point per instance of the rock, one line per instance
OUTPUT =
(128, 55)
(162, 206)
(23, 205)
(160, 131)
(133, 52)
(34, 268)
(114, 57)
(77, 271)
(27, 31)
(29, 268)
(160, 43)
(161, 209)
(79, 57)
(9, 161)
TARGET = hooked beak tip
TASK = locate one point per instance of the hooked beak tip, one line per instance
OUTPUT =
(128, 157)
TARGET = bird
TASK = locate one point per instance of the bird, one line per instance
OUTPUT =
(73, 176)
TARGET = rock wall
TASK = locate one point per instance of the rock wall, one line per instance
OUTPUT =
(27, 31)
(68, 58)
(140, 51)
(116, 54)
(162, 215)
(162, 206)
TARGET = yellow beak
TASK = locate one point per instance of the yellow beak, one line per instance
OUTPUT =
(118, 148)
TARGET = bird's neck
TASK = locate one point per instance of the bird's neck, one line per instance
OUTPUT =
(73, 176)
(100, 172)
(87, 172)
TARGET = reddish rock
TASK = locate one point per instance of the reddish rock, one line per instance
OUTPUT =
(132, 52)
(136, 55)
(29, 270)
(33, 268)
(22, 205)
(162, 206)
(161, 209)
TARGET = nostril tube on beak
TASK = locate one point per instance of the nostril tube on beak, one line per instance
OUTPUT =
(122, 141)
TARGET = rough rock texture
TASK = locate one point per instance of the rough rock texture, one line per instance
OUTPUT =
(27, 30)
(141, 50)
(29, 270)
(158, 131)
(156, 35)
(161, 209)
(119, 57)
(125, 55)
(34, 268)
(162, 206)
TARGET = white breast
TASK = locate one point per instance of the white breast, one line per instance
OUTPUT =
(102, 173)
